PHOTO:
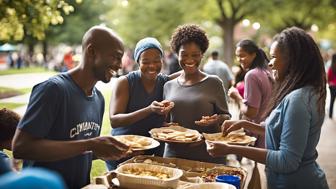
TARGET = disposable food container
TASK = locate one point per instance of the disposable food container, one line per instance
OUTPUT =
(211, 186)
(127, 180)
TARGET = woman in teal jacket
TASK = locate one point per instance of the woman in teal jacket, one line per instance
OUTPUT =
(295, 116)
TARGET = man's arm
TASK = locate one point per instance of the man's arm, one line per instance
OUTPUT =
(26, 146)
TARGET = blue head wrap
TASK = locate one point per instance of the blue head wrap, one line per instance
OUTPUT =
(144, 44)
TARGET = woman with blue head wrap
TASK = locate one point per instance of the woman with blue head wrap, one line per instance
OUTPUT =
(136, 106)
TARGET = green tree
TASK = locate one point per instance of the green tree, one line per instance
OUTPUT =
(30, 17)
(219, 17)
(303, 14)
(136, 19)
(228, 13)
(86, 15)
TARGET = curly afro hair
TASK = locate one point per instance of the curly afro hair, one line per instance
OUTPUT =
(189, 33)
(8, 122)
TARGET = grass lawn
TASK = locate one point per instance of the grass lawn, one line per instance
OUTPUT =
(6, 92)
(9, 92)
(32, 69)
(10, 106)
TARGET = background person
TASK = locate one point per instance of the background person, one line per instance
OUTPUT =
(60, 129)
(332, 84)
(172, 63)
(214, 66)
(295, 116)
(239, 81)
(257, 84)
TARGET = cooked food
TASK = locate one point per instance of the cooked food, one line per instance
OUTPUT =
(231, 138)
(206, 119)
(134, 141)
(147, 173)
(210, 175)
(167, 103)
(141, 175)
(175, 134)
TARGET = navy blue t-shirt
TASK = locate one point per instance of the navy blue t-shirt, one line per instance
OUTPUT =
(59, 109)
(138, 99)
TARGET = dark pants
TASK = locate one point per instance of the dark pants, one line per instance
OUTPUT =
(332, 99)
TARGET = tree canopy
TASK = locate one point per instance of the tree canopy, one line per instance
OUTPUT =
(86, 15)
(138, 19)
(30, 17)
(135, 19)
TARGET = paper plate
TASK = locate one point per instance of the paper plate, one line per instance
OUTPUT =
(137, 142)
(176, 134)
(231, 138)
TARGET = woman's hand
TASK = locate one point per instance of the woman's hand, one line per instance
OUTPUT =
(217, 149)
(230, 125)
(162, 108)
(208, 120)
(233, 93)
(167, 106)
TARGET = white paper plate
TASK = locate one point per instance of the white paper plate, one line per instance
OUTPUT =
(153, 142)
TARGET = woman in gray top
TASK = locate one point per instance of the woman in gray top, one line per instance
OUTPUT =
(195, 94)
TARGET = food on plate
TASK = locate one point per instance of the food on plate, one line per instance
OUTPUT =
(175, 134)
(206, 119)
(167, 103)
(153, 162)
(141, 175)
(231, 138)
(135, 141)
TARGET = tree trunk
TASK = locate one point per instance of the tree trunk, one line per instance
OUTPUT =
(228, 29)
(45, 53)
(30, 60)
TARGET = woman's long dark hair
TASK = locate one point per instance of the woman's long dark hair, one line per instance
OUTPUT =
(304, 67)
(261, 60)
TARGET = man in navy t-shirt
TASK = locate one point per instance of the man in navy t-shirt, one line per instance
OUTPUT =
(60, 129)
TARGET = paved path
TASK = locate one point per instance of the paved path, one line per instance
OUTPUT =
(20, 81)
(327, 150)
(326, 147)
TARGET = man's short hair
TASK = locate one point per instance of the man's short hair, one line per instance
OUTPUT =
(214, 53)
